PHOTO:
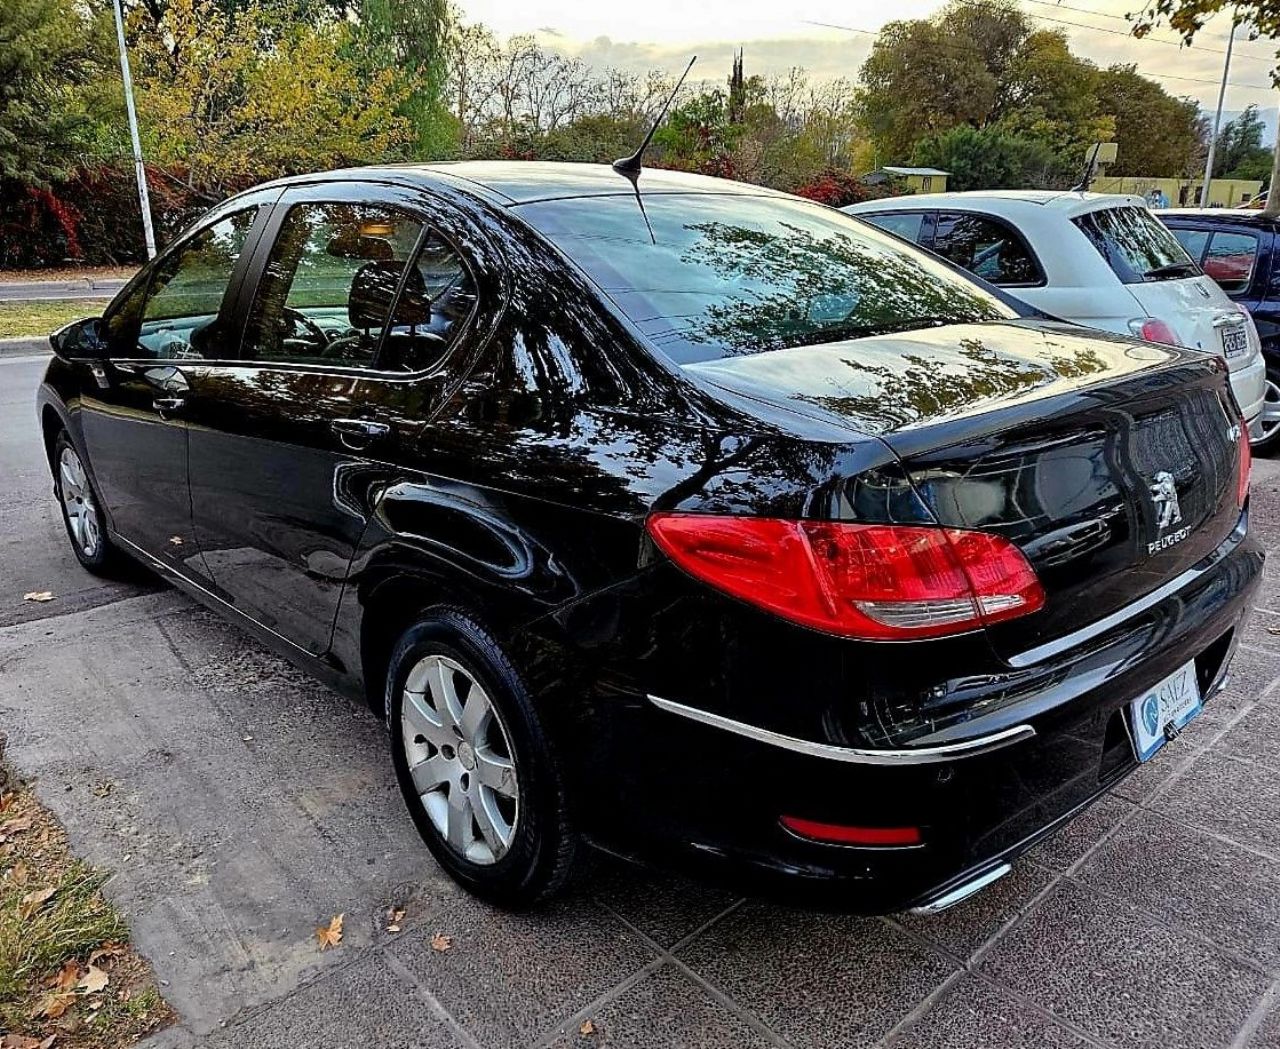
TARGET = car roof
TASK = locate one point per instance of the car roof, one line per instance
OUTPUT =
(1006, 201)
(521, 181)
(1236, 216)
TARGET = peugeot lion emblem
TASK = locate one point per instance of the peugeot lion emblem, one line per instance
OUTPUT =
(1164, 497)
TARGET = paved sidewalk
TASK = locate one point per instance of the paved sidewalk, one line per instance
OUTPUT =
(44, 290)
(241, 805)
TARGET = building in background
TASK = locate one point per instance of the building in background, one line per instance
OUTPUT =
(909, 180)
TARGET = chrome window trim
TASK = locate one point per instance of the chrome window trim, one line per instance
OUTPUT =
(852, 755)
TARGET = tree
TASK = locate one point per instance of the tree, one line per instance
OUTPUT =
(1240, 152)
(1261, 19)
(51, 54)
(1155, 133)
(992, 159)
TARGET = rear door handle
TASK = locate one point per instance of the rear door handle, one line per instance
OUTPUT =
(359, 428)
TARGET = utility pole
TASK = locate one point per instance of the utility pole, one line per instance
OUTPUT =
(1217, 118)
(143, 197)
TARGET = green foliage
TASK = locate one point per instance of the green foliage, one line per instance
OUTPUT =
(1156, 134)
(1240, 152)
(51, 52)
(991, 158)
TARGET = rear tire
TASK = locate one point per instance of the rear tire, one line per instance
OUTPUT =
(1269, 442)
(477, 771)
(82, 511)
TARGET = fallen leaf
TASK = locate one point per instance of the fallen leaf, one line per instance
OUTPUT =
(22, 1041)
(110, 949)
(16, 825)
(1273, 630)
(95, 1004)
(175, 540)
(7, 800)
(38, 595)
(94, 980)
(586, 1028)
(54, 1005)
(33, 901)
(68, 976)
(101, 790)
(330, 935)
(395, 915)
(440, 942)
(20, 874)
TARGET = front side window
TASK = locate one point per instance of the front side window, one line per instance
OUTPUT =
(327, 290)
(909, 225)
(174, 315)
(1136, 245)
(1230, 260)
(985, 247)
(713, 275)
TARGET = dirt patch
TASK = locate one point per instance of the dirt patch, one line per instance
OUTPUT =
(69, 979)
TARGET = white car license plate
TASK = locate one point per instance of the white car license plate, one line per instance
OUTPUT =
(1235, 342)
(1172, 702)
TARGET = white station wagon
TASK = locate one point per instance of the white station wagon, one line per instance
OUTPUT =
(1095, 259)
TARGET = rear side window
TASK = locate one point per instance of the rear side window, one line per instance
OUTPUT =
(987, 247)
(1230, 260)
(909, 225)
(1136, 245)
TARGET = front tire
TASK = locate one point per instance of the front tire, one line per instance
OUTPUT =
(476, 769)
(1269, 442)
(81, 510)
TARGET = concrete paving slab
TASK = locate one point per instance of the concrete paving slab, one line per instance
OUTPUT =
(821, 980)
(665, 908)
(1114, 972)
(1228, 796)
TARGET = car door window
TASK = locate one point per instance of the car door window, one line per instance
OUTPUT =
(985, 247)
(329, 283)
(438, 299)
(174, 314)
(1193, 240)
(1230, 259)
(909, 225)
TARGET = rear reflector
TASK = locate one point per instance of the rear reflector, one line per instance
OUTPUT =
(1246, 466)
(840, 834)
(878, 582)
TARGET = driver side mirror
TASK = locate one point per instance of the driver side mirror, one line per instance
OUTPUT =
(80, 339)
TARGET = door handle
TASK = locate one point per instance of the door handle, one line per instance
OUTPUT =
(169, 404)
(365, 428)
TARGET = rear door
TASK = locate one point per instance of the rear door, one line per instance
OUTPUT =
(352, 303)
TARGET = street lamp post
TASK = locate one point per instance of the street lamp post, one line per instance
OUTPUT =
(143, 197)
(1217, 119)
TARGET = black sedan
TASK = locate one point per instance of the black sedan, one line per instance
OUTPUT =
(1240, 249)
(696, 522)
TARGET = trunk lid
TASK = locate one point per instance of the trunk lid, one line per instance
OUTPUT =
(1111, 463)
(1202, 316)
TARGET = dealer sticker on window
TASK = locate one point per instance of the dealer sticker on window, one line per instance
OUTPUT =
(1160, 713)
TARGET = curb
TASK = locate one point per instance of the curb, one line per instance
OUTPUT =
(25, 345)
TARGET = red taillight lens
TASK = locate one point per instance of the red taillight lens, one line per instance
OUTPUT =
(1154, 330)
(1246, 466)
(879, 582)
(842, 834)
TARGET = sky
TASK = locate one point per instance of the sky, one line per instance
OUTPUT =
(776, 36)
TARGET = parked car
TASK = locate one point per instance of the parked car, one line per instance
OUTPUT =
(1237, 248)
(698, 522)
(1095, 259)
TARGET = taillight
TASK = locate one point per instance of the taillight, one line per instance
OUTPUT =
(879, 582)
(1246, 466)
(1154, 330)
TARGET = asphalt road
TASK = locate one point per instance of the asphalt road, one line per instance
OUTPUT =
(42, 291)
(239, 805)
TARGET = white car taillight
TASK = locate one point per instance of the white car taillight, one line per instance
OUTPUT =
(1154, 330)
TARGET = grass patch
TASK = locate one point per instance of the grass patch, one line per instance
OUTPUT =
(66, 968)
(40, 318)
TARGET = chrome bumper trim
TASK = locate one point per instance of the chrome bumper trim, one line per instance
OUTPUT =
(962, 892)
(852, 755)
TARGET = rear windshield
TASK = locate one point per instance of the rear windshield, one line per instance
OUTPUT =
(705, 276)
(1137, 246)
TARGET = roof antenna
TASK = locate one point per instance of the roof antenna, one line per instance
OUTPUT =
(630, 166)
(1089, 166)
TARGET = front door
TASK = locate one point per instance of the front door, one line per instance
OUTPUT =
(291, 444)
(133, 401)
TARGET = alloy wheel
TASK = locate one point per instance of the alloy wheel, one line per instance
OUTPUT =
(78, 504)
(1270, 420)
(460, 758)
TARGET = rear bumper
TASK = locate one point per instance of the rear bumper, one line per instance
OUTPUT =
(707, 796)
